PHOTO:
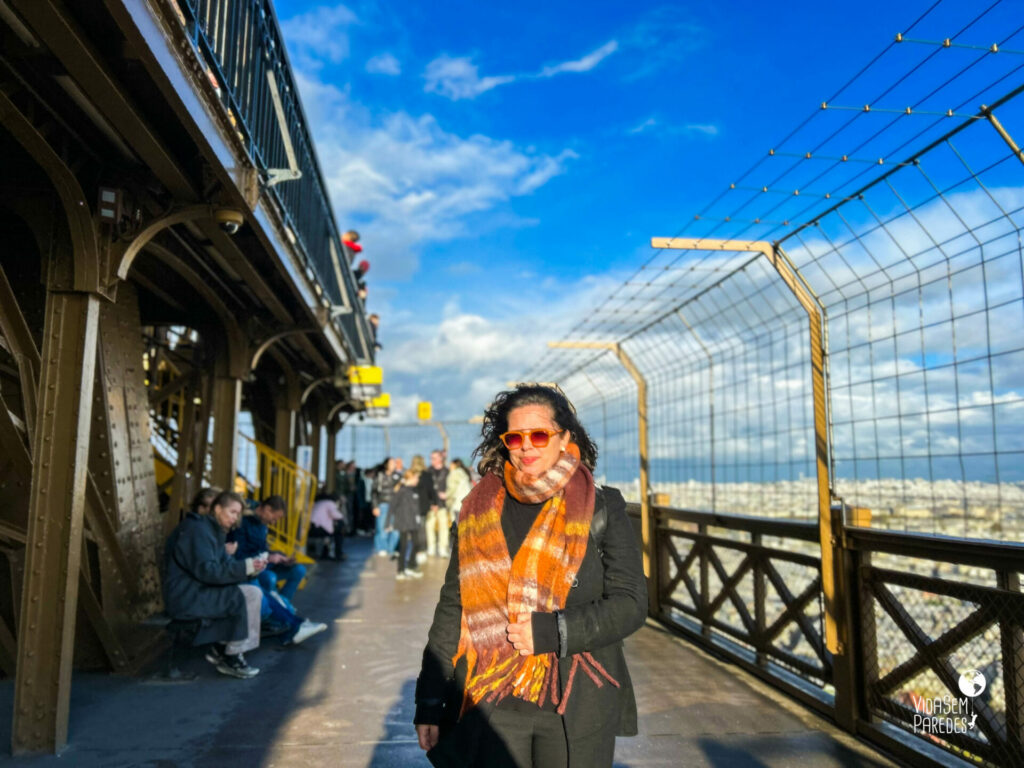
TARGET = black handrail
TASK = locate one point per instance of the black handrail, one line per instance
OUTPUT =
(241, 42)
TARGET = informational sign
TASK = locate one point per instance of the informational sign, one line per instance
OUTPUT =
(379, 406)
(304, 457)
(365, 381)
(425, 411)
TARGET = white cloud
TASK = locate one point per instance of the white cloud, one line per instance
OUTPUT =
(585, 64)
(384, 64)
(404, 181)
(318, 35)
(459, 78)
(708, 129)
(650, 122)
(652, 125)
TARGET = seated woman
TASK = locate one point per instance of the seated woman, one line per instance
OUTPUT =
(202, 581)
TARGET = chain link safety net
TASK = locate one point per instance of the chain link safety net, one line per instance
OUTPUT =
(892, 215)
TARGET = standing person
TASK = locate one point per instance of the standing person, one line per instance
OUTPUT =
(203, 581)
(544, 582)
(438, 520)
(404, 517)
(327, 520)
(384, 483)
(457, 487)
(428, 499)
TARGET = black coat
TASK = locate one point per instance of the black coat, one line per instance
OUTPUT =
(201, 580)
(607, 603)
(404, 513)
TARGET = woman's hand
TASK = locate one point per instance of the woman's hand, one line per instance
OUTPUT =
(231, 547)
(521, 636)
(428, 735)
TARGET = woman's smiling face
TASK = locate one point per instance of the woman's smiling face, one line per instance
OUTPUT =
(528, 458)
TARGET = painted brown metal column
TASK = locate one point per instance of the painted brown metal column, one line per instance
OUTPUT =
(54, 537)
(332, 443)
(227, 400)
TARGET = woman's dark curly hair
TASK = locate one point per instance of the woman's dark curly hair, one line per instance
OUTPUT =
(492, 452)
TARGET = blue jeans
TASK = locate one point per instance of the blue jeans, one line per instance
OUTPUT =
(384, 541)
(274, 608)
(292, 575)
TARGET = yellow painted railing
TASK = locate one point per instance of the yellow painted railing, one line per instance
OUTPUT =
(276, 474)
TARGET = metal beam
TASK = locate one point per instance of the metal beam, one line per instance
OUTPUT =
(55, 28)
(268, 342)
(54, 547)
(82, 272)
(227, 400)
(834, 576)
(142, 239)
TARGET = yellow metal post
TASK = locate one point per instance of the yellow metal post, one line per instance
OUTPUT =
(836, 628)
(444, 438)
(648, 525)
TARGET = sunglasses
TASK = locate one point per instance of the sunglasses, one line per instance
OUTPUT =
(539, 438)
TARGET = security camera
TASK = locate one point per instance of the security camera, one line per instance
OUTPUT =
(229, 220)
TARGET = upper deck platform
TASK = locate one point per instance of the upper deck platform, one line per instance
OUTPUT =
(345, 698)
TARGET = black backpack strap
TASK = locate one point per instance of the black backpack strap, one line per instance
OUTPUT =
(599, 522)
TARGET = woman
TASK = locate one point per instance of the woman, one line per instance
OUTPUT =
(457, 486)
(544, 582)
(428, 498)
(404, 517)
(203, 581)
(326, 521)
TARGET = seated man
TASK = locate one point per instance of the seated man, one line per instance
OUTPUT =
(201, 581)
(251, 537)
(250, 540)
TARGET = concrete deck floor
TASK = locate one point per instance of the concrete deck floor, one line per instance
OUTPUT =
(344, 698)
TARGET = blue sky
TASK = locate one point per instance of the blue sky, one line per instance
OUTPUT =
(508, 163)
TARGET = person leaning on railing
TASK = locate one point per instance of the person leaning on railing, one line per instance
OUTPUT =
(202, 581)
(524, 663)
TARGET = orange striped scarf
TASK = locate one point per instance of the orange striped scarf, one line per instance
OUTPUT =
(496, 589)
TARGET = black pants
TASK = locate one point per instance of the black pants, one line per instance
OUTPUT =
(407, 542)
(536, 739)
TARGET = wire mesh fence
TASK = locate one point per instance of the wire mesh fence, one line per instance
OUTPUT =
(856, 296)
(905, 223)
(369, 444)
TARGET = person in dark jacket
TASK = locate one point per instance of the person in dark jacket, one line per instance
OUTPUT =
(405, 516)
(385, 481)
(428, 500)
(251, 536)
(203, 581)
(524, 663)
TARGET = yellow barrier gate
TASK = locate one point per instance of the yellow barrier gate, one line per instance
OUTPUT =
(276, 474)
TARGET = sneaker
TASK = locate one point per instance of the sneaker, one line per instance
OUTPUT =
(215, 654)
(401, 576)
(236, 666)
(393, 556)
(413, 574)
(382, 553)
(421, 558)
(305, 631)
